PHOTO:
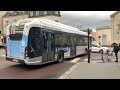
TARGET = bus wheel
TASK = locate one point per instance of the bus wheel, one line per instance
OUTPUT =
(60, 57)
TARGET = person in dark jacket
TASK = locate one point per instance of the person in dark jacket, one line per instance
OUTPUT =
(119, 45)
(116, 50)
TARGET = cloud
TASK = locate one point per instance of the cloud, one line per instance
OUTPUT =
(86, 19)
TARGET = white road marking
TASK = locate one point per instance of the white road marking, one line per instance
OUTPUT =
(2, 55)
(65, 75)
(86, 59)
(75, 60)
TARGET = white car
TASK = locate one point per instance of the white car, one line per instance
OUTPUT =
(97, 48)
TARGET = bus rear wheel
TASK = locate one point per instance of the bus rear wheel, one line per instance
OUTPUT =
(60, 57)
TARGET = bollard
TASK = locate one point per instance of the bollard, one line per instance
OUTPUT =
(102, 56)
(88, 55)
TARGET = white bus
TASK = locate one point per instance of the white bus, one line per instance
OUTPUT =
(40, 41)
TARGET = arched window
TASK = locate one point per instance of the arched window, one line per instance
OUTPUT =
(56, 12)
(45, 12)
(31, 13)
(37, 13)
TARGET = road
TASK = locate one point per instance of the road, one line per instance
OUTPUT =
(12, 70)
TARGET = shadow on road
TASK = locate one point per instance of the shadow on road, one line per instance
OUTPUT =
(32, 67)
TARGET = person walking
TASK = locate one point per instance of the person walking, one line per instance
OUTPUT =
(119, 45)
(116, 50)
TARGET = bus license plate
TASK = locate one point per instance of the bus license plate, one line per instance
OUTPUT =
(15, 60)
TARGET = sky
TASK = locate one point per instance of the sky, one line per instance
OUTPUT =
(86, 19)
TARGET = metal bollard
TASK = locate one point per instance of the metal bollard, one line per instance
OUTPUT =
(102, 56)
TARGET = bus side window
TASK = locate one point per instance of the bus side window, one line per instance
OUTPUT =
(52, 42)
(45, 37)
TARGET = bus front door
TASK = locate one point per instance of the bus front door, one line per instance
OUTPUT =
(48, 47)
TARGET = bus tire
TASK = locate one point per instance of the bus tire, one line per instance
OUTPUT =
(60, 57)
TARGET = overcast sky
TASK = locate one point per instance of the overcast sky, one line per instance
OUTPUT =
(86, 19)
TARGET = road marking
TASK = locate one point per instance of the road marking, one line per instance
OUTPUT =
(2, 55)
(86, 59)
(75, 60)
(65, 75)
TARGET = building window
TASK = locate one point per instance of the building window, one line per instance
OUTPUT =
(37, 13)
(45, 12)
(11, 13)
(6, 23)
(23, 11)
(15, 20)
(56, 12)
(31, 13)
(41, 12)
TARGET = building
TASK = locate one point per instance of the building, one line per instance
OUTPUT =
(13, 16)
(94, 36)
(107, 35)
(115, 20)
(2, 13)
(103, 35)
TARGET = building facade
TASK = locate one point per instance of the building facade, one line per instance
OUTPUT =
(115, 20)
(103, 35)
(2, 13)
(13, 16)
(109, 35)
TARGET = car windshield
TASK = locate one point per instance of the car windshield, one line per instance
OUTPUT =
(96, 45)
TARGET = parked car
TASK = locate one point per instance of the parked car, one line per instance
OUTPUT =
(98, 48)
(2, 44)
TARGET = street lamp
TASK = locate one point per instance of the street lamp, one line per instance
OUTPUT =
(88, 46)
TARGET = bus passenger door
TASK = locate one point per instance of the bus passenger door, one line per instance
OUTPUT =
(51, 47)
(48, 47)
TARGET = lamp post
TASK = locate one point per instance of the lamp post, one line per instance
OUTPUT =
(88, 46)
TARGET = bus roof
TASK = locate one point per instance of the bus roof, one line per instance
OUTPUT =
(32, 22)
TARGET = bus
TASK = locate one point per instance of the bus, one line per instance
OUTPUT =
(35, 41)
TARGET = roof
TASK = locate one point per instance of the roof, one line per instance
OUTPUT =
(103, 27)
(49, 24)
(114, 14)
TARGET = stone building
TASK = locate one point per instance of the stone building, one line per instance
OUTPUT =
(103, 35)
(2, 13)
(115, 20)
(109, 34)
(13, 16)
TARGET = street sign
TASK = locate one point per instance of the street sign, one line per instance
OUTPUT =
(99, 36)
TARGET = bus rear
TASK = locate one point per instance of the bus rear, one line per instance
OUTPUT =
(16, 43)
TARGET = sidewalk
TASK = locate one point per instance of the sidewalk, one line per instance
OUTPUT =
(96, 69)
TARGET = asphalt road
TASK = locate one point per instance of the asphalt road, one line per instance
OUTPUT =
(12, 70)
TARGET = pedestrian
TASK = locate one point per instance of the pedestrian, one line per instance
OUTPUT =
(116, 49)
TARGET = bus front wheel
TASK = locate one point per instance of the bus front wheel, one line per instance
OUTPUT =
(60, 57)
